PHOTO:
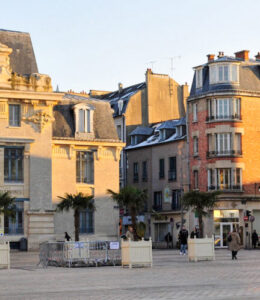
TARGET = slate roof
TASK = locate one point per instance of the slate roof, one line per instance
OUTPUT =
(140, 130)
(171, 124)
(124, 95)
(103, 123)
(22, 59)
(249, 79)
(155, 139)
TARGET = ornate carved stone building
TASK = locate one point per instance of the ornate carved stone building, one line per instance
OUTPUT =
(52, 144)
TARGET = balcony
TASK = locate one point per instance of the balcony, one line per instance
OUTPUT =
(235, 117)
(226, 188)
(224, 153)
(157, 207)
(172, 175)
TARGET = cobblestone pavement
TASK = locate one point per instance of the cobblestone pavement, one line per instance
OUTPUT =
(172, 277)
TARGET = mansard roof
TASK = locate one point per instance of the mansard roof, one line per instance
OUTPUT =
(124, 95)
(103, 123)
(249, 79)
(22, 59)
(154, 139)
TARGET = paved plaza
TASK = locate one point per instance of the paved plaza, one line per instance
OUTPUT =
(172, 277)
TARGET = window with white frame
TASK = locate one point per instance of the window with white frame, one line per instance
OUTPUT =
(224, 108)
(83, 118)
(195, 112)
(85, 167)
(14, 115)
(225, 179)
(199, 78)
(86, 221)
(223, 143)
(222, 73)
(195, 145)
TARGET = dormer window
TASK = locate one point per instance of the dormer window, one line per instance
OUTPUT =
(166, 133)
(83, 118)
(199, 78)
(134, 140)
(222, 73)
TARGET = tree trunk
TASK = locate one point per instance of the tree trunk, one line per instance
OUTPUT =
(201, 225)
(133, 218)
(76, 224)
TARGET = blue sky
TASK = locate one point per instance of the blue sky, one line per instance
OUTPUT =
(94, 44)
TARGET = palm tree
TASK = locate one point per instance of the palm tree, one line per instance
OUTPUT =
(7, 206)
(77, 202)
(133, 199)
(201, 203)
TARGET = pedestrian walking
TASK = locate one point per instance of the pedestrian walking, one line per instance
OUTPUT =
(234, 243)
(183, 238)
(67, 237)
(130, 233)
(194, 233)
(254, 239)
(168, 240)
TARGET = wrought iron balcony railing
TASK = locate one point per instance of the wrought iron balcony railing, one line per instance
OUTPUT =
(223, 117)
(228, 188)
(224, 153)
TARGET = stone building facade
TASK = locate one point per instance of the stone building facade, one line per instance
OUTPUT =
(223, 129)
(52, 144)
(157, 162)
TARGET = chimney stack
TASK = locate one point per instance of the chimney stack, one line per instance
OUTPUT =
(211, 57)
(220, 54)
(257, 57)
(244, 54)
(120, 87)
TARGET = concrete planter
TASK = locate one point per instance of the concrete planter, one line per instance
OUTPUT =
(5, 255)
(136, 253)
(201, 249)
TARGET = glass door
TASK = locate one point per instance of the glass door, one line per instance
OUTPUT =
(226, 228)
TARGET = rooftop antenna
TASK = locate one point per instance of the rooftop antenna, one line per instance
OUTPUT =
(171, 59)
(152, 62)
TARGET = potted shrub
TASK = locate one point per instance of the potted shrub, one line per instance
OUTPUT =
(201, 203)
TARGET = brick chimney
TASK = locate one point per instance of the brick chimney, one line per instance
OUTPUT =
(120, 87)
(244, 54)
(257, 57)
(220, 54)
(211, 57)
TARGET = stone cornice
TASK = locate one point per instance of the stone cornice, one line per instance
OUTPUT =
(25, 95)
(236, 93)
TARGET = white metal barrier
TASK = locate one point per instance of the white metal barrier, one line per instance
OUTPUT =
(136, 253)
(91, 253)
(4, 254)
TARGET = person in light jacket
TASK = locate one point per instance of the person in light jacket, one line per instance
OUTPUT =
(234, 243)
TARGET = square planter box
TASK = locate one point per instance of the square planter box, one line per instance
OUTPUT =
(201, 249)
(4, 255)
(136, 253)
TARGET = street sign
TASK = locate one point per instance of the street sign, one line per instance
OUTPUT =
(246, 218)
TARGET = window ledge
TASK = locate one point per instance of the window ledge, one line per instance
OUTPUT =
(224, 120)
(13, 183)
(13, 127)
(85, 184)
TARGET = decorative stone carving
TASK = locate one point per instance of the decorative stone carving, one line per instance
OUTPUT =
(3, 110)
(40, 118)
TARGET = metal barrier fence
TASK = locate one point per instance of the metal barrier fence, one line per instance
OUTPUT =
(91, 253)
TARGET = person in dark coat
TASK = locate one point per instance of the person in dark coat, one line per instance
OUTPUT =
(254, 239)
(183, 238)
(168, 240)
(234, 243)
(194, 233)
(67, 237)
